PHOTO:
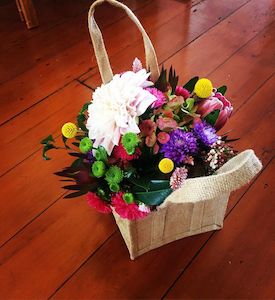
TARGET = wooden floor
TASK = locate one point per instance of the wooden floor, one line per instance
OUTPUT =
(62, 249)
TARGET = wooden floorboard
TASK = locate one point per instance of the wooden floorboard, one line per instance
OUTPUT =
(51, 247)
(238, 262)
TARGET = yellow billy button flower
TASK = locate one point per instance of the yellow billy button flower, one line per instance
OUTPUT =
(69, 130)
(203, 88)
(166, 165)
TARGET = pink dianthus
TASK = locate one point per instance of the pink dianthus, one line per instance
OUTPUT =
(98, 204)
(125, 210)
(180, 91)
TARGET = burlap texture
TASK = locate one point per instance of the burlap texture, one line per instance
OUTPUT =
(199, 206)
(100, 50)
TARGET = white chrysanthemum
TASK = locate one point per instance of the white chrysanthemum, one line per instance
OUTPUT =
(116, 106)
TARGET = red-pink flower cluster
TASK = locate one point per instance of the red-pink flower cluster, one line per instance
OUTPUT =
(98, 204)
(127, 211)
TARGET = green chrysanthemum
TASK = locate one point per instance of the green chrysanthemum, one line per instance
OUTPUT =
(114, 175)
(128, 197)
(130, 141)
(114, 187)
(85, 145)
(98, 169)
(101, 154)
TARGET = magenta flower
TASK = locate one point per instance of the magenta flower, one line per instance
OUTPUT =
(216, 102)
(180, 91)
(98, 204)
(159, 95)
(127, 211)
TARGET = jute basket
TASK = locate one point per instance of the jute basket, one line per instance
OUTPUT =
(200, 205)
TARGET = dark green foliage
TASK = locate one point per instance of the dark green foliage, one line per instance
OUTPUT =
(158, 191)
(76, 154)
(81, 118)
(64, 139)
(46, 148)
(222, 89)
(75, 194)
(212, 117)
(190, 85)
(162, 84)
(48, 144)
(47, 140)
(173, 80)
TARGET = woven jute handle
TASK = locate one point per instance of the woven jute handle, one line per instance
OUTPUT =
(232, 175)
(100, 50)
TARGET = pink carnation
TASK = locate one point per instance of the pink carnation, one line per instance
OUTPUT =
(98, 204)
(159, 95)
(180, 91)
(125, 210)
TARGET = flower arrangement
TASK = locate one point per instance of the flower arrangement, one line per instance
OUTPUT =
(137, 141)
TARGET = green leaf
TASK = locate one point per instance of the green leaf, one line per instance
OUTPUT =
(76, 154)
(161, 84)
(64, 139)
(190, 85)
(140, 183)
(46, 148)
(77, 164)
(79, 137)
(189, 104)
(153, 197)
(222, 89)
(75, 194)
(212, 117)
(84, 108)
(47, 140)
(81, 118)
(73, 187)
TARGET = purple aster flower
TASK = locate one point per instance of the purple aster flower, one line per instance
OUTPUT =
(180, 144)
(90, 156)
(205, 133)
(159, 95)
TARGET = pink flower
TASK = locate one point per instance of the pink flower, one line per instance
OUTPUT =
(163, 137)
(166, 123)
(137, 65)
(98, 204)
(159, 95)
(119, 152)
(147, 127)
(216, 102)
(180, 91)
(125, 210)
(178, 177)
(151, 140)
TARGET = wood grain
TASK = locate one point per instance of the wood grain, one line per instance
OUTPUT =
(237, 263)
(55, 248)
(69, 61)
